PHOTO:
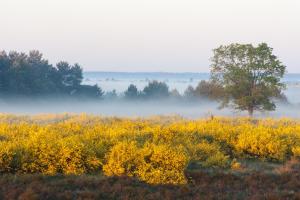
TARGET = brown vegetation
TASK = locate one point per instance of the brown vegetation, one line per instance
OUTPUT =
(202, 185)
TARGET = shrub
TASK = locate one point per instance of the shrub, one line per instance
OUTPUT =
(123, 159)
(6, 156)
(263, 144)
(209, 155)
(296, 151)
(163, 165)
(155, 150)
(155, 164)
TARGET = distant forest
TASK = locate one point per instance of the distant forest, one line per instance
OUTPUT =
(30, 75)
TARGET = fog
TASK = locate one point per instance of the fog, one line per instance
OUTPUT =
(122, 108)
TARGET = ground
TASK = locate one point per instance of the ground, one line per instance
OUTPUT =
(254, 180)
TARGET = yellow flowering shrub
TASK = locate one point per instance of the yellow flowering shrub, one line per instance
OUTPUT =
(152, 163)
(155, 150)
(208, 154)
(163, 164)
(124, 159)
(7, 151)
(296, 151)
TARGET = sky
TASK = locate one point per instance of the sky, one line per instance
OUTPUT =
(148, 35)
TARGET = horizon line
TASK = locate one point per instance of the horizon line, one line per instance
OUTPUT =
(156, 72)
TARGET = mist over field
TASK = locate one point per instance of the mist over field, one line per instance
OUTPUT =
(123, 108)
(146, 107)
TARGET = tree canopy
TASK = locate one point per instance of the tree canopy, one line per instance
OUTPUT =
(156, 89)
(132, 92)
(32, 75)
(250, 76)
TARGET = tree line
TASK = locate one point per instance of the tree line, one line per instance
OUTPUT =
(31, 75)
(243, 76)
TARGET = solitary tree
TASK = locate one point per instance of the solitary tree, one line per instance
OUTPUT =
(251, 76)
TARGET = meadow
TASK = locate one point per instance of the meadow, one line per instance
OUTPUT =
(154, 154)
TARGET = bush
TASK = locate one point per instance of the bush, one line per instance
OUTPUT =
(163, 165)
(124, 159)
(209, 155)
(263, 144)
(156, 150)
(296, 151)
(7, 151)
(152, 164)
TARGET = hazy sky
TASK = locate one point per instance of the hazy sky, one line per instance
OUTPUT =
(148, 35)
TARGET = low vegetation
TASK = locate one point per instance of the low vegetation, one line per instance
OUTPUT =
(201, 185)
(155, 150)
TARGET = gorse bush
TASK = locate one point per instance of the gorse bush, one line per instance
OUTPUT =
(124, 159)
(151, 163)
(164, 164)
(155, 150)
(209, 155)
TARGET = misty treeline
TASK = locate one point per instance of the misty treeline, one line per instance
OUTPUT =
(156, 90)
(30, 75)
(243, 76)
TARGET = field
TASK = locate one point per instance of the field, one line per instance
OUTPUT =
(86, 157)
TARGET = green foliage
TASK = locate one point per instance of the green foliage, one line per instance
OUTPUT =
(190, 92)
(132, 92)
(32, 75)
(209, 155)
(206, 90)
(156, 89)
(89, 91)
(249, 75)
(111, 95)
(70, 77)
(210, 90)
